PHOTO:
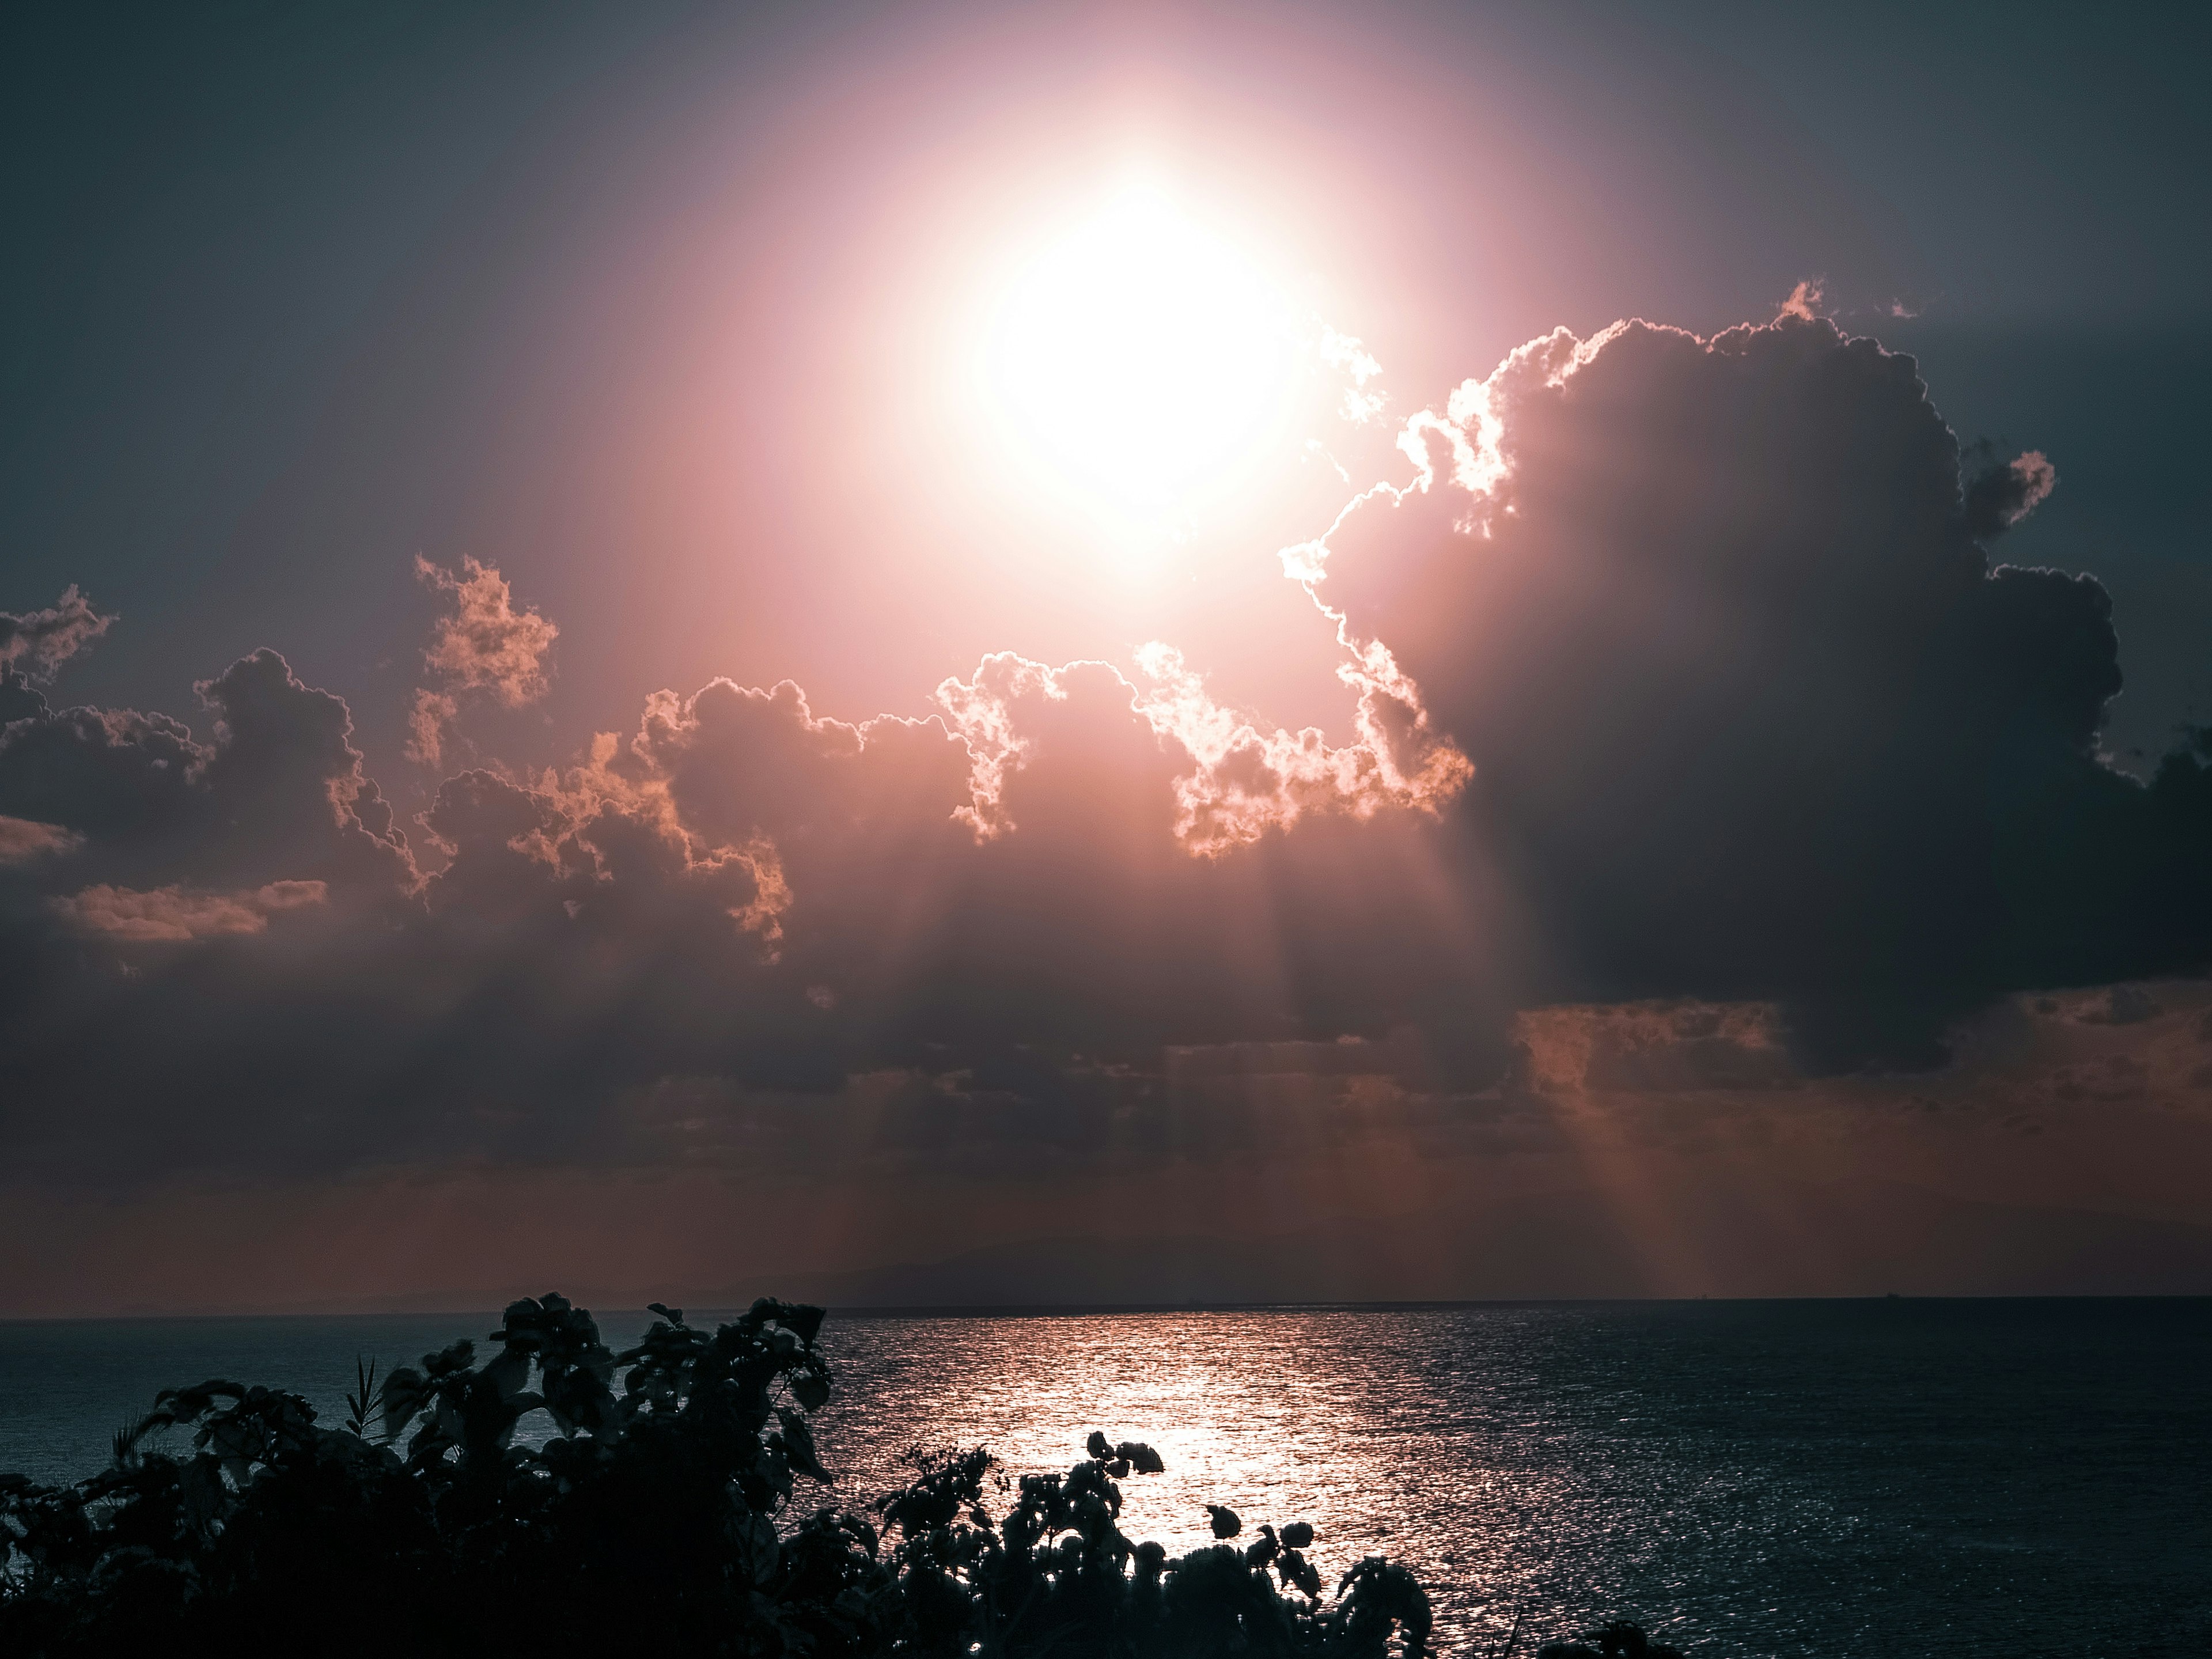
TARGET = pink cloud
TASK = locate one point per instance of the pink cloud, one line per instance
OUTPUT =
(42, 640)
(1804, 301)
(22, 840)
(1247, 779)
(178, 914)
(485, 644)
(433, 713)
(2035, 478)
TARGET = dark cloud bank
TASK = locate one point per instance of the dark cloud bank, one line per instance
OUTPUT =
(1753, 714)
(1755, 711)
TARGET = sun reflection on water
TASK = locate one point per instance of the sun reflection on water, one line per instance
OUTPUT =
(1747, 1478)
(1750, 1479)
(1289, 1416)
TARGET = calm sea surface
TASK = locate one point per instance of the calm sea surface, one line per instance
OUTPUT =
(1865, 1478)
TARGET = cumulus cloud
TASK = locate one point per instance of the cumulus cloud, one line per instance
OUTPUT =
(1750, 707)
(1694, 745)
(172, 915)
(483, 645)
(1246, 779)
(1231, 778)
(276, 792)
(42, 640)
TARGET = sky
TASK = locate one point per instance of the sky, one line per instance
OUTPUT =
(1102, 652)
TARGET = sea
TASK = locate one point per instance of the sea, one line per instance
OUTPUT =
(1902, 1477)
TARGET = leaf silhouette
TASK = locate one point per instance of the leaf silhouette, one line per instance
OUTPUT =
(661, 1517)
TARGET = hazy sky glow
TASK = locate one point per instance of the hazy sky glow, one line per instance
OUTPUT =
(661, 649)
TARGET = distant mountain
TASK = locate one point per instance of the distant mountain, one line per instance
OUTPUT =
(1803, 1240)
(1863, 1239)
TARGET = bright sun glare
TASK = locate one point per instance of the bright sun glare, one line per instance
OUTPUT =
(1143, 355)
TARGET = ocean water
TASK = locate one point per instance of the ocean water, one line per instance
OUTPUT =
(2016, 1478)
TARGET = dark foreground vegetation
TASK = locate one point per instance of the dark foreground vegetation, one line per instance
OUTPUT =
(660, 1520)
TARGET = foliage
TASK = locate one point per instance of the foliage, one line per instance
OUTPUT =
(1618, 1640)
(660, 1516)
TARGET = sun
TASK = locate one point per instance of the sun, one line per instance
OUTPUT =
(1144, 356)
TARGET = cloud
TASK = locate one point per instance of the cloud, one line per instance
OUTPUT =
(1246, 779)
(277, 791)
(172, 915)
(22, 840)
(433, 713)
(42, 640)
(1231, 778)
(486, 645)
(1698, 1176)
(1693, 746)
(2124, 1005)
(2000, 494)
(1644, 1047)
(1344, 352)
(1804, 301)
(482, 645)
(1752, 711)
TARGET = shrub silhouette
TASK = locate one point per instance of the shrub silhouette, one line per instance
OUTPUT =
(661, 1517)
(1618, 1640)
